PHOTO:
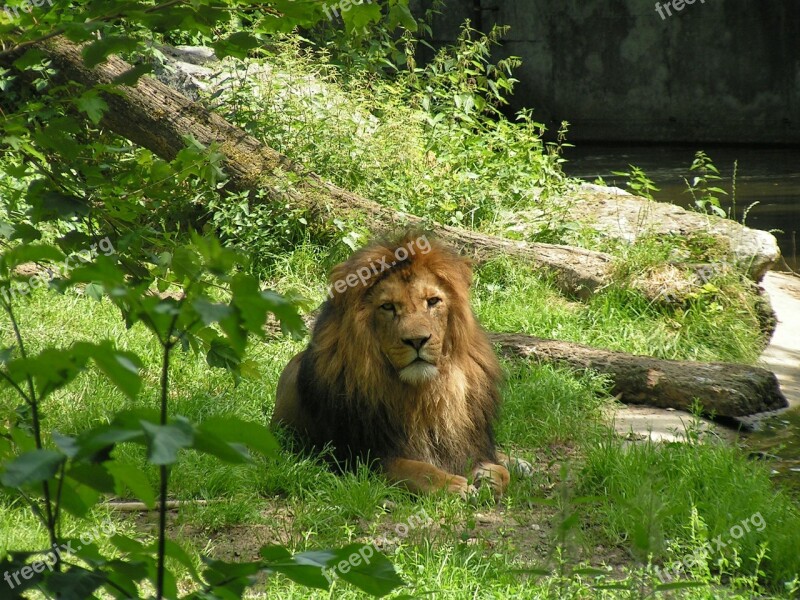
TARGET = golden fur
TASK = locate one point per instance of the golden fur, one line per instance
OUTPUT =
(399, 370)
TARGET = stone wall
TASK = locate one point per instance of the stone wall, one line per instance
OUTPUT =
(620, 70)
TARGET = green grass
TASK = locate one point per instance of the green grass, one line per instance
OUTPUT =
(551, 417)
(514, 299)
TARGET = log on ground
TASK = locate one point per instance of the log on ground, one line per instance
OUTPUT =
(723, 389)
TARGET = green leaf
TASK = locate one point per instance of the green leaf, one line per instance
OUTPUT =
(399, 14)
(274, 552)
(132, 75)
(134, 479)
(234, 430)
(185, 263)
(94, 291)
(254, 304)
(237, 45)
(164, 441)
(176, 552)
(126, 427)
(218, 572)
(211, 312)
(287, 314)
(305, 568)
(124, 575)
(92, 104)
(75, 584)
(93, 475)
(99, 50)
(679, 585)
(26, 233)
(222, 355)
(77, 498)
(50, 205)
(31, 253)
(359, 17)
(127, 545)
(122, 368)
(209, 443)
(30, 58)
(51, 369)
(32, 467)
(374, 574)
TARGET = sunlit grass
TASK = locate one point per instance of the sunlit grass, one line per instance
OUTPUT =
(550, 417)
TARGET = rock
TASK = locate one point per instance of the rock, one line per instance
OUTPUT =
(620, 214)
(616, 213)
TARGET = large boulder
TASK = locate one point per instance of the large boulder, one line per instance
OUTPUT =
(615, 212)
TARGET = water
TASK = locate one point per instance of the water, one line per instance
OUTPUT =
(769, 176)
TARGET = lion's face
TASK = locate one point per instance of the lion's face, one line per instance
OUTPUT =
(410, 314)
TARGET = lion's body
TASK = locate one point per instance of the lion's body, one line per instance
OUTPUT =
(399, 370)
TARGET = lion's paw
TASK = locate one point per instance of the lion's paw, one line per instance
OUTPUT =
(517, 466)
(459, 485)
(520, 467)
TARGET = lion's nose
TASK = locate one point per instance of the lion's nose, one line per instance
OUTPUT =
(417, 342)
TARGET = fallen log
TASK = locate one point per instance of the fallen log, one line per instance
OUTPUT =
(723, 389)
(159, 118)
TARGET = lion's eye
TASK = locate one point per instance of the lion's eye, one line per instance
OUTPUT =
(388, 306)
(434, 301)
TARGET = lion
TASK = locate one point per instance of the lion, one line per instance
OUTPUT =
(399, 372)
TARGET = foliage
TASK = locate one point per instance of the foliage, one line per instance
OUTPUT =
(429, 141)
(638, 182)
(175, 294)
(382, 47)
(705, 194)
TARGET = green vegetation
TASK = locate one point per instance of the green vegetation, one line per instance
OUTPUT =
(600, 517)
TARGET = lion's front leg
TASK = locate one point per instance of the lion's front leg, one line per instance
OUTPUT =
(422, 477)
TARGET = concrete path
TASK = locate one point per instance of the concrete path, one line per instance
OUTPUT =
(781, 356)
(783, 353)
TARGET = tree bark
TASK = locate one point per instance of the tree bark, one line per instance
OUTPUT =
(723, 389)
(157, 117)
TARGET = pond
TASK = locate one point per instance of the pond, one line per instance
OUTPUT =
(768, 176)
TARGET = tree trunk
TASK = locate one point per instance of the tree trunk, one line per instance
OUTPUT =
(157, 117)
(723, 389)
